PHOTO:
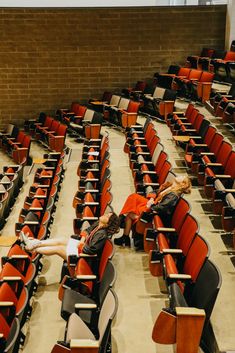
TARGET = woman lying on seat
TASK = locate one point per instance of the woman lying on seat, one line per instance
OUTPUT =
(91, 240)
(163, 203)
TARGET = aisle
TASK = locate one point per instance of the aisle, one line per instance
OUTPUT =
(45, 325)
(138, 292)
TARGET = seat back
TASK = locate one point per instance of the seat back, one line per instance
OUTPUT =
(198, 121)
(196, 257)
(55, 125)
(210, 133)
(184, 71)
(156, 153)
(180, 212)
(27, 141)
(20, 137)
(81, 110)
(164, 172)
(61, 131)
(107, 314)
(224, 153)
(106, 96)
(123, 103)
(159, 93)
(206, 289)
(75, 108)
(206, 77)
(160, 162)
(115, 100)
(88, 116)
(187, 233)
(107, 281)
(140, 86)
(195, 74)
(48, 122)
(230, 56)
(133, 107)
(106, 255)
(216, 143)
(230, 165)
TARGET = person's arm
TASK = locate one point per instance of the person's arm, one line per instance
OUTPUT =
(84, 233)
(96, 244)
(167, 204)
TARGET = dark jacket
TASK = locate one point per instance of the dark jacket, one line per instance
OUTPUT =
(166, 207)
(96, 244)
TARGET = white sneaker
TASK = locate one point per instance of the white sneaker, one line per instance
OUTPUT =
(23, 238)
(31, 244)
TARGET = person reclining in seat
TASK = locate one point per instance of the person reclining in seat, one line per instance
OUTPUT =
(91, 240)
(163, 203)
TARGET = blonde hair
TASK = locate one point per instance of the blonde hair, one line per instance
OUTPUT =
(179, 187)
(183, 186)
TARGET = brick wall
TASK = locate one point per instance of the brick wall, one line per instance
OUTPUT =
(50, 57)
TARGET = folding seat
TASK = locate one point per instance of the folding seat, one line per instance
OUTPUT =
(162, 225)
(131, 92)
(10, 334)
(20, 266)
(40, 128)
(211, 167)
(21, 154)
(3, 207)
(191, 265)
(186, 120)
(128, 117)
(172, 119)
(175, 241)
(183, 84)
(18, 141)
(195, 148)
(217, 96)
(148, 182)
(52, 130)
(97, 104)
(72, 298)
(160, 104)
(228, 212)
(223, 184)
(146, 175)
(13, 292)
(214, 150)
(228, 114)
(17, 250)
(173, 322)
(77, 331)
(220, 70)
(17, 181)
(91, 214)
(57, 140)
(200, 90)
(31, 124)
(111, 110)
(231, 72)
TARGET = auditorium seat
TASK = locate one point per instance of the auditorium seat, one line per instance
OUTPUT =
(78, 334)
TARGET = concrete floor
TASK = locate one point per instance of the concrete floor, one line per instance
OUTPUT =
(140, 295)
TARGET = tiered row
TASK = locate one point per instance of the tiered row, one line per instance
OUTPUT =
(175, 248)
(18, 277)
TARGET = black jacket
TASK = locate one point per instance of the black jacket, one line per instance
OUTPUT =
(166, 207)
(96, 244)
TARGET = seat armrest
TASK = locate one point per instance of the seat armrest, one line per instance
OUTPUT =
(214, 164)
(85, 306)
(178, 276)
(165, 230)
(172, 251)
(86, 277)
(80, 344)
